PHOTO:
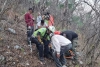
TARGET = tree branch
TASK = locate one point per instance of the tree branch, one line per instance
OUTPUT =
(3, 6)
(97, 13)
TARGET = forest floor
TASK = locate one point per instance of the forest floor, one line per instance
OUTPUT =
(14, 50)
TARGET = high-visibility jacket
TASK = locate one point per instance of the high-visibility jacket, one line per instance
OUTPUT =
(42, 32)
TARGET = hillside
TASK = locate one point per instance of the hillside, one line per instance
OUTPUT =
(80, 16)
(14, 50)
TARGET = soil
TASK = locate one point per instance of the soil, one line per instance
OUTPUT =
(15, 50)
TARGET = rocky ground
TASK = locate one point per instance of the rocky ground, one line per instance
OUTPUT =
(14, 50)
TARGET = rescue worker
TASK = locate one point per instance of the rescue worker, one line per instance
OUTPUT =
(42, 39)
(73, 37)
(60, 45)
(49, 19)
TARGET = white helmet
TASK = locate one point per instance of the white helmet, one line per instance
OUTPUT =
(51, 28)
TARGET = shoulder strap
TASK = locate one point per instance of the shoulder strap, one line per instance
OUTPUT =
(45, 35)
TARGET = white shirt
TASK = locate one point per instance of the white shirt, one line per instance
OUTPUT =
(39, 24)
(39, 18)
(58, 41)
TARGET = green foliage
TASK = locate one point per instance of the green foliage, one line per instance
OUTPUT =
(88, 62)
(70, 6)
(48, 3)
(37, 1)
(23, 12)
(80, 23)
(61, 6)
(70, 1)
(22, 49)
(76, 65)
(77, 20)
(64, 29)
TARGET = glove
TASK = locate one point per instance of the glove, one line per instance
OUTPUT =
(33, 19)
(40, 41)
(29, 27)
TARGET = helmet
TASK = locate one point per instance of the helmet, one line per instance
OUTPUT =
(51, 28)
(57, 32)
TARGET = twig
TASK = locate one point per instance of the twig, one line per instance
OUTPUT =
(3, 6)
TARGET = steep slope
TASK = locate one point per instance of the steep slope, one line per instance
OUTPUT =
(14, 51)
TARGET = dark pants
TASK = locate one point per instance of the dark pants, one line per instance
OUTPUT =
(38, 45)
(61, 61)
(29, 32)
(46, 48)
(74, 45)
(42, 52)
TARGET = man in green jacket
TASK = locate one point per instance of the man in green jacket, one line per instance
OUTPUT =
(41, 38)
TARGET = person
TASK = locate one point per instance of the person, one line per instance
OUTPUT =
(49, 19)
(29, 19)
(57, 32)
(73, 37)
(39, 18)
(60, 45)
(43, 17)
(70, 35)
(41, 24)
(41, 38)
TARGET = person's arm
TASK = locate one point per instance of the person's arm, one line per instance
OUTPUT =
(27, 20)
(57, 46)
(39, 37)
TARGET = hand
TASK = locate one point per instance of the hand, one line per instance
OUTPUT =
(50, 45)
(40, 41)
(58, 55)
(33, 18)
(29, 27)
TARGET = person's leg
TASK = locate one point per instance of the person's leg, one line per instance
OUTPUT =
(32, 30)
(57, 61)
(62, 59)
(50, 53)
(28, 34)
(39, 47)
(67, 48)
(35, 40)
(46, 48)
(41, 52)
(64, 49)
(74, 45)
